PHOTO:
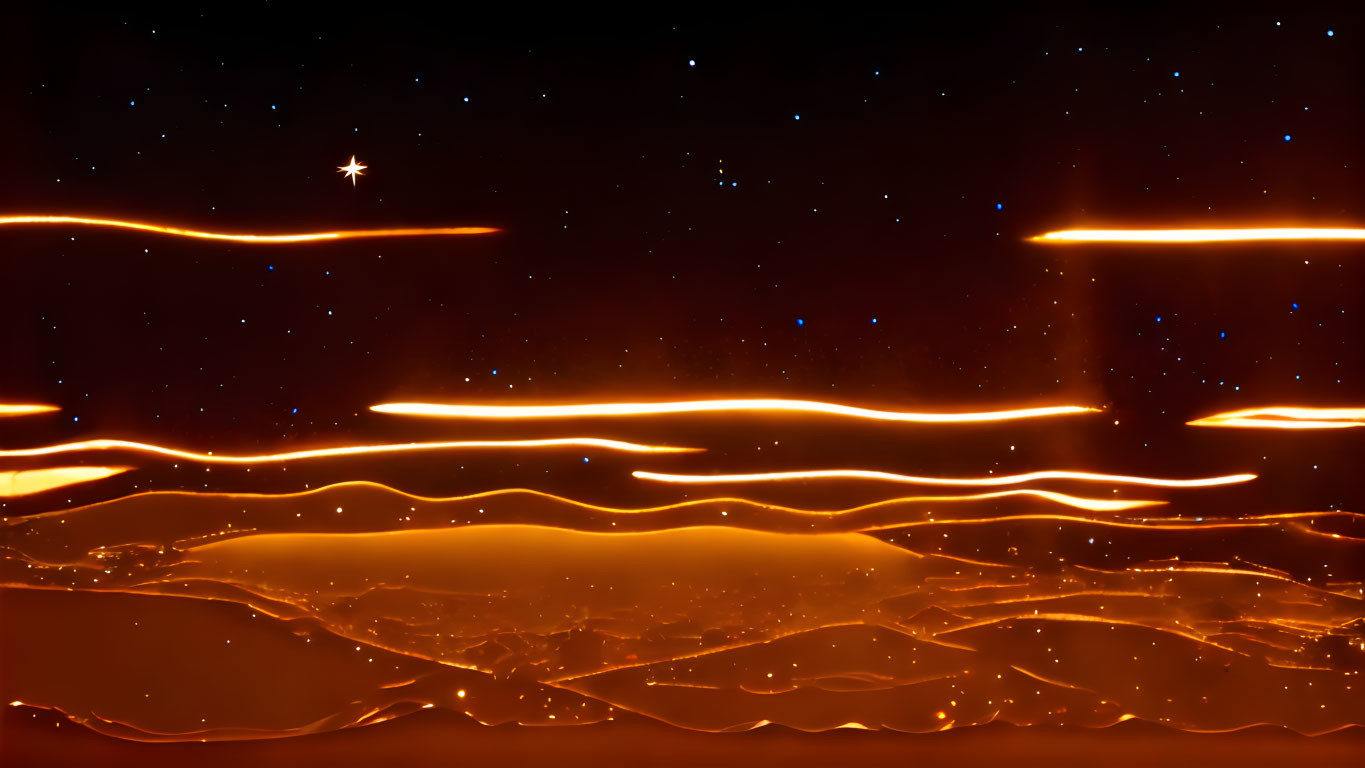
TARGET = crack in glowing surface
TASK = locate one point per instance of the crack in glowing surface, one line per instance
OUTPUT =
(23, 482)
(345, 450)
(759, 405)
(1199, 235)
(345, 234)
(867, 474)
(1285, 417)
(25, 409)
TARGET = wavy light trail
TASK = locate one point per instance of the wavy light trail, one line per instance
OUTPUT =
(866, 474)
(1285, 417)
(23, 409)
(761, 405)
(242, 238)
(23, 482)
(1079, 502)
(1199, 235)
(346, 450)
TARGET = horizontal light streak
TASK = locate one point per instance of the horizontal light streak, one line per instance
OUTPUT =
(162, 229)
(759, 405)
(346, 450)
(1199, 235)
(1285, 417)
(1098, 505)
(26, 481)
(867, 474)
(25, 409)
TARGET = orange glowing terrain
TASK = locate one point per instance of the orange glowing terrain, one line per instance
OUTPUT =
(223, 615)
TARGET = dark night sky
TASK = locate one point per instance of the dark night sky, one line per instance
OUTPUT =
(928, 145)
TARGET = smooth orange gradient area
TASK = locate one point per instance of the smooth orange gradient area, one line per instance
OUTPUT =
(344, 450)
(1285, 417)
(866, 474)
(28, 481)
(1199, 235)
(761, 405)
(22, 409)
(344, 234)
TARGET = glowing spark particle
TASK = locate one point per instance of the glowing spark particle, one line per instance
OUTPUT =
(1199, 235)
(864, 474)
(287, 238)
(353, 170)
(346, 450)
(1285, 417)
(708, 406)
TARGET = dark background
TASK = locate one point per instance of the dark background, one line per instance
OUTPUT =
(930, 144)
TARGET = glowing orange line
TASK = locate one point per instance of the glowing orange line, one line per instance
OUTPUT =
(23, 482)
(293, 238)
(1285, 417)
(1049, 681)
(701, 406)
(1260, 521)
(1103, 504)
(348, 450)
(1083, 618)
(865, 474)
(1198, 235)
(18, 409)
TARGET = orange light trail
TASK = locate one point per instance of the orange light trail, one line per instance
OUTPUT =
(1285, 417)
(345, 450)
(344, 234)
(867, 474)
(23, 409)
(761, 405)
(1254, 521)
(24, 482)
(1096, 505)
(1199, 235)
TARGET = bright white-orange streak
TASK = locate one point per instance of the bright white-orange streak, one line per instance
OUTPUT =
(700, 406)
(345, 450)
(1285, 417)
(867, 474)
(289, 238)
(19, 409)
(1198, 235)
(29, 481)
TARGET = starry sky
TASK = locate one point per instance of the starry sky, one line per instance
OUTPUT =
(785, 204)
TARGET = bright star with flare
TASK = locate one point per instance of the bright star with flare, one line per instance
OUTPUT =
(353, 170)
